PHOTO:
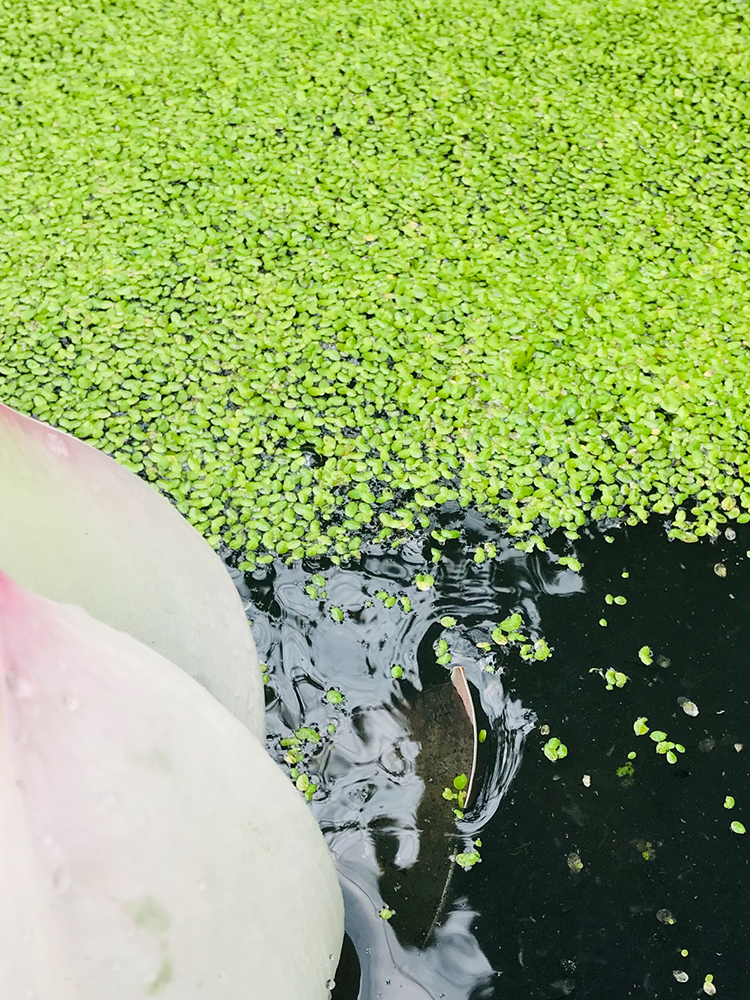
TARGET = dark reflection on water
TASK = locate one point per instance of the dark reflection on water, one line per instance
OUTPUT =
(525, 923)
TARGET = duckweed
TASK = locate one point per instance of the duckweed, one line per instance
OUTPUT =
(317, 272)
(554, 750)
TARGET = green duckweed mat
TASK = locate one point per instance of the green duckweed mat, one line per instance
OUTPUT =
(315, 268)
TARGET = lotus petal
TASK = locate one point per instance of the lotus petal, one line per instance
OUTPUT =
(77, 527)
(149, 847)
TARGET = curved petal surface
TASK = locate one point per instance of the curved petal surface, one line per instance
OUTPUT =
(77, 527)
(149, 847)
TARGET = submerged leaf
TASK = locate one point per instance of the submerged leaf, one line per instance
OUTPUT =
(148, 844)
(78, 528)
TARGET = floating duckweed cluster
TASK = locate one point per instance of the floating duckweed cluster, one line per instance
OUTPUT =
(316, 270)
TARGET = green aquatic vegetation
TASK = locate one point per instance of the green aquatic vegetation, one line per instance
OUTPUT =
(424, 581)
(615, 678)
(664, 746)
(729, 802)
(467, 859)
(337, 614)
(386, 913)
(737, 827)
(397, 671)
(448, 621)
(571, 562)
(442, 652)
(313, 291)
(334, 697)
(646, 655)
(554, 750)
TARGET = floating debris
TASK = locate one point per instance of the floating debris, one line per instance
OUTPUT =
(720, 570)
(665, 916)
(688, 707)
(681, 977)
(574, 862)
(586, 779)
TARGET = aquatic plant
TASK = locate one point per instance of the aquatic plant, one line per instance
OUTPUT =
(314, 282)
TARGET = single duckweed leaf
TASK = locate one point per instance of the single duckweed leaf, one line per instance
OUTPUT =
(639, 726)
(658, 736)
(123, 838)
(729, 802)
(78, 528)
(737, 827)
(646, 655)
(447, 621)
(397, 671)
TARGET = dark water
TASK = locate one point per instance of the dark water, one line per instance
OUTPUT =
(590, 890)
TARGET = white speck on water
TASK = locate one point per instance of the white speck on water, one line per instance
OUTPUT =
(586, 779)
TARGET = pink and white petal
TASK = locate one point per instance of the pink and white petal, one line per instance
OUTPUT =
(77, 527)
(148, 844)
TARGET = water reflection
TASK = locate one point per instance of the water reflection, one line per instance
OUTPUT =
(398, 742)
(578, 857)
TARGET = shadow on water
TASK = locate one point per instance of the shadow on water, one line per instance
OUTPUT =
(598, 870)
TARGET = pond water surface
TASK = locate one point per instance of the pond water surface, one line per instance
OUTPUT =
(600, 875)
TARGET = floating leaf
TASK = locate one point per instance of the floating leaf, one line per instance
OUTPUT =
(639, 726)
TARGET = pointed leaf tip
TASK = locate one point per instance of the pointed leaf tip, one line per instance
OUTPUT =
(78, 528)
